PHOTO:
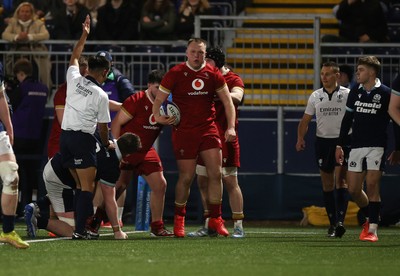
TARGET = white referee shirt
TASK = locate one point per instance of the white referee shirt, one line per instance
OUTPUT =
(86, 103)
(329, 111)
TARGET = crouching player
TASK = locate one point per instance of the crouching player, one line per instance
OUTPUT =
(136, 116)
(9, 176)
(61, 186)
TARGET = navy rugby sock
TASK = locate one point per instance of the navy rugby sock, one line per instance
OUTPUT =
(374, 210)
(8, 223)
(84, 208)
(329, 200)
(342, 201)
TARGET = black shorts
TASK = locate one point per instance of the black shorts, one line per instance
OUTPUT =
(78, 149)
(325, 149)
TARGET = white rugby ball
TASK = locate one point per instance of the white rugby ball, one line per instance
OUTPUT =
(169, 108)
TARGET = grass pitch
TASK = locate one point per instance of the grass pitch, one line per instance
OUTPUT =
(264, 251)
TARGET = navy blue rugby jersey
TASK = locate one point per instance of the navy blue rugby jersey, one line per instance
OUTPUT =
(371, 116)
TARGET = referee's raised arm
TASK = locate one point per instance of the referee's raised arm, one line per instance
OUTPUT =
(76, 53)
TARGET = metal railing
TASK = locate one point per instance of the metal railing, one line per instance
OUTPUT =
(280, 66)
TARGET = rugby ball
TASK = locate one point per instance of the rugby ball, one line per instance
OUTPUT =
(169, 108)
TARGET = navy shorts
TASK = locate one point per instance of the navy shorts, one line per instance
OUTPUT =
(325, 149)
(78, 149)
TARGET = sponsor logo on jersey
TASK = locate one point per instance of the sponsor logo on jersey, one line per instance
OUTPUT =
(376, 98)
(371, 108)
(152, 122)
(197, 84)
(330, 111)
(83, 90)
(78, 161)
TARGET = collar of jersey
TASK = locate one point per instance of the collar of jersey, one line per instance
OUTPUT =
(196, 70)
(335, 90)
(377, 84)
(93, 80)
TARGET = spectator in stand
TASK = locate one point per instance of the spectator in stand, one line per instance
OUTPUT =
(42, 7)
(68, 20)
(346, 76)
(93, 6)
(114, 18)
(186, 14)
(157, 20)
(28, 100)
(360, 21)
(25, 31)
(53, 144)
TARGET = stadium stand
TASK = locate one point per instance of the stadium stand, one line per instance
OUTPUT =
(284, 47)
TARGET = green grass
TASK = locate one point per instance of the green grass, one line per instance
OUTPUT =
(264, 251)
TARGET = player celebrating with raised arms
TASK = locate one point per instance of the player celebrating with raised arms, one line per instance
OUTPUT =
(193, 85)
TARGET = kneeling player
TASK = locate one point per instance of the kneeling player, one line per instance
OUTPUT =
(61, 188)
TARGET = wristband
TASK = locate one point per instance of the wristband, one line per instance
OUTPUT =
(338, 147)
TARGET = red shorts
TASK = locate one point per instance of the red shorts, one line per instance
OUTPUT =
(143, 163)
(230, 154)
(188, 143)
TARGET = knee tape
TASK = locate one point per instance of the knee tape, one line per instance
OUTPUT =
(9, 175)
(201, 170)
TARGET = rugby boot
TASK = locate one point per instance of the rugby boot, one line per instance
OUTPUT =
(179, 226)
(217, 224)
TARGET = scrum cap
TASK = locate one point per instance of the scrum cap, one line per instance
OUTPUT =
(216, 55)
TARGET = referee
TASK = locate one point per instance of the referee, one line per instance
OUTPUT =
(86, 108)
(328, 104)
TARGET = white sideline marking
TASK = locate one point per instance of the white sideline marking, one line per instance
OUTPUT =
(69, 238)
(136, 232)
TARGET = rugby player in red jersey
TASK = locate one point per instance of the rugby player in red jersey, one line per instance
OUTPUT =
(193, 85)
